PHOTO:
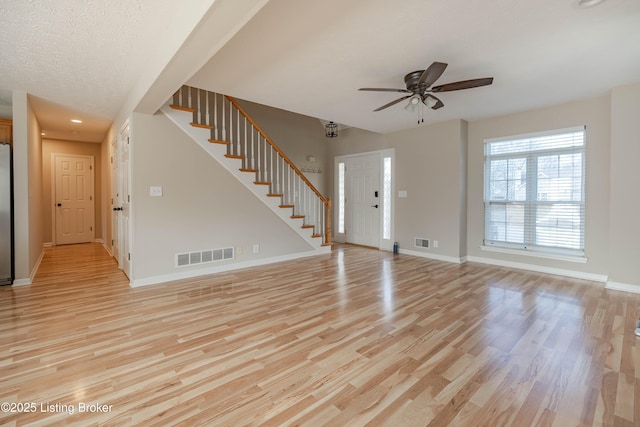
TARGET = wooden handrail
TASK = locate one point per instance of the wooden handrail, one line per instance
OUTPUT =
(188, 93)
(277, 149)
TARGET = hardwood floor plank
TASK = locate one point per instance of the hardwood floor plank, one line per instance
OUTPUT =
(358, 337)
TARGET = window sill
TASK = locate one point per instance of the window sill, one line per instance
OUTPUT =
(557, 257)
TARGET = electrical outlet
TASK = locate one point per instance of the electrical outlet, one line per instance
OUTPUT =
(256, 248)
(155, 191)
(435, 243)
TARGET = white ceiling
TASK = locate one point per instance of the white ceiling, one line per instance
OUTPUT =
(311, 57)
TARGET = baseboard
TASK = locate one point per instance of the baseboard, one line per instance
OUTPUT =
(626, 287)
(47, 244)
(541, 269)
(34, 270)
(135, 283)
(104, 245)
(437, 257)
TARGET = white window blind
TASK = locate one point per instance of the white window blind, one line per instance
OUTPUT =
(534, 192)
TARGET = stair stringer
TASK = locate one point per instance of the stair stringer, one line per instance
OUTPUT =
(201, 136)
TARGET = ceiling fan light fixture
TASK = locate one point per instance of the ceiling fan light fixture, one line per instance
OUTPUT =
(413, 103)
(429, 101)
(583, 4)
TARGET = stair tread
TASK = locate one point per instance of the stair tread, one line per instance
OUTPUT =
(316, 236)
(198, 125)
(287, 206)
(261, 183)
(216, 141)
(297, 216)
(181, 108)
(233, 156)
(275, 195)
(307, 226)
(248, 170)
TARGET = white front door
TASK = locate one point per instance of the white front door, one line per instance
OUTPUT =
(363, 200)
(74, 204)
(125, 201)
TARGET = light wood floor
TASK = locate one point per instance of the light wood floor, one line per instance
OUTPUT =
(356, 338)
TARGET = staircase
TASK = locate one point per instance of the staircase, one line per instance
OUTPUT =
(222, 127)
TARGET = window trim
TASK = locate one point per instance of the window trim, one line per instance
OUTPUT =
(531, 199)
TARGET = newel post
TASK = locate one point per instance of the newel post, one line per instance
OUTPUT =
(328, 222)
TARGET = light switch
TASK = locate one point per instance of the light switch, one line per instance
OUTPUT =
(402, 193)
(155, 191)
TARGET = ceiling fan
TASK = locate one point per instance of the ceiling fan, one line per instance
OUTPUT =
(419, 87)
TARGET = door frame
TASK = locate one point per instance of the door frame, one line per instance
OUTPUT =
(54, 211)
(125, 240)
(386, 242)
(114, 194)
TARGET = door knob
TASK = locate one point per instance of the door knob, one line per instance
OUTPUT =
(59, 204)
(117, 209)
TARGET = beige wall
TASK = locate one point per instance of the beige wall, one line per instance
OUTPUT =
(595, 114)
(53, 146)
(203, 206)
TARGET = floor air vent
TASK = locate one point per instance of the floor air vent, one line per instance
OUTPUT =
(422, 243)
(203, 257)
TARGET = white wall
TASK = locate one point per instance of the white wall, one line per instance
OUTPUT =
(203, 206)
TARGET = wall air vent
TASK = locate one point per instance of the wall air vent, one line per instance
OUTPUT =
(204, 257)
(422, 243)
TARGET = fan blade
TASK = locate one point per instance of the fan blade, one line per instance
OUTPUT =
(438, 104)
(393, 102)
(432, 74)
(382, 89)
(464, 84)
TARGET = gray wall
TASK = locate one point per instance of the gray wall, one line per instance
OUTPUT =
(624, 252)
(440, 166)
(203, 206)
(594, 113)
(27, 166)
(298, 136)
(430, 166)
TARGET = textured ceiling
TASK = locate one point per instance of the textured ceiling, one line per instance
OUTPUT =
(85, 57)
(81, 54)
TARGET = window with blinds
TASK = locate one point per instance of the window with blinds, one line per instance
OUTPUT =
(534, 192)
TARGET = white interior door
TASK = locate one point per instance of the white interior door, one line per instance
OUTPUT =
(115, 202)
(363, 200)
(124, 195)
(74, 204)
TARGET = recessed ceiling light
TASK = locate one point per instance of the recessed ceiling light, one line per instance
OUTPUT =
(42, 133)
(76, 121)
(589, 3)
